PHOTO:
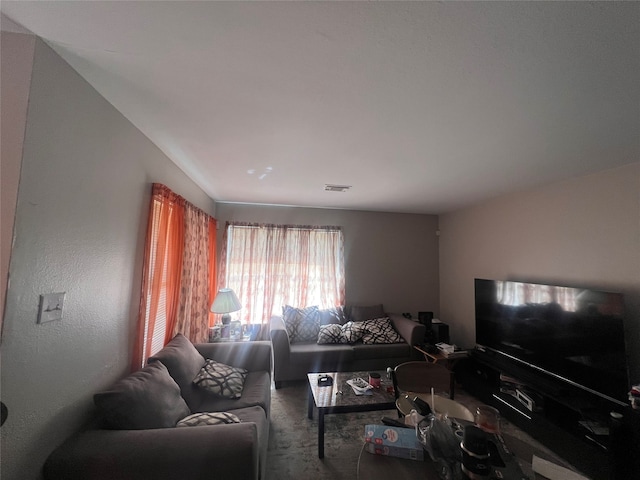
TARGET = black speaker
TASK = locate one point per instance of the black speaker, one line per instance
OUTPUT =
(440, 332)
(425, 318)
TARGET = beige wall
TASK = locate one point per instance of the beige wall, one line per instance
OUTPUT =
(389, 258)
(16, 49)
(79, 228)
(581, 232)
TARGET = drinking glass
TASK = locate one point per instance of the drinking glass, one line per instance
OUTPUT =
(488, 419)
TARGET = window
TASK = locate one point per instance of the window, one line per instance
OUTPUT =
(269, 266)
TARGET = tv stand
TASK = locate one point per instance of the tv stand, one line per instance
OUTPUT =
(572, 422)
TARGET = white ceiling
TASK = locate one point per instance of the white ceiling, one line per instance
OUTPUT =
(422, 107)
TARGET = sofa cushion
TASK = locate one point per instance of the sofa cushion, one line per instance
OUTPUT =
(208, 418)
(302, 324)
(331, 333)
(256, 392)
(316, 357)
(384, 351)
(360, 313)
(352, 332)
(183, 362)
(148, 398)
(332, 315)
(380, 330)
(221, 379)
(255, 415)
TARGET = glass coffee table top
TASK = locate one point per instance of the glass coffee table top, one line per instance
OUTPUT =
(339, 397)
(340, 394)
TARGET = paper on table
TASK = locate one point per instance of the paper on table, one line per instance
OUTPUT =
(360, 390)
(553, 471)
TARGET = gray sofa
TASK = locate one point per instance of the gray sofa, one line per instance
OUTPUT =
(224, 451)
(292, 361)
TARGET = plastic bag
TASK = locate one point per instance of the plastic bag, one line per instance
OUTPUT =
(439, 440)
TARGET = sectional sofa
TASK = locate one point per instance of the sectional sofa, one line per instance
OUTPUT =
(293, 359)
(183, 416)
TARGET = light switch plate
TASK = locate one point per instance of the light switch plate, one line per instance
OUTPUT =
(50, 307)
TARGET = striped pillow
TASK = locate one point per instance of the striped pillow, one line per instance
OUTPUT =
(221, 379)
(331, 333)
(380, 330)
(302, 324)
(208, 418)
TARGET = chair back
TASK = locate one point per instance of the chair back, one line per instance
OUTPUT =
(420, 377)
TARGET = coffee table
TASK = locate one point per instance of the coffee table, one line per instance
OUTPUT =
(340, 398)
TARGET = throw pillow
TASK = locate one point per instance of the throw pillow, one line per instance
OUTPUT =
(352, 332)
(182, 360)
(380, 330)
(208, 418)
(332, 315)
(221, 379)
(148, 398)
(302, 324)
(331, 333)
(361, 313)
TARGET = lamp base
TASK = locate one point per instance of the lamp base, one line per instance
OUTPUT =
(225, 331)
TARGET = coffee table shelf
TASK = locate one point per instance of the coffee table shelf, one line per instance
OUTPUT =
(340, 398)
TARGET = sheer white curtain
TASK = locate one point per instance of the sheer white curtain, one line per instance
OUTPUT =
(269, 266)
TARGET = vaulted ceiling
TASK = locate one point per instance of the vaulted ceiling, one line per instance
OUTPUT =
(420, 107)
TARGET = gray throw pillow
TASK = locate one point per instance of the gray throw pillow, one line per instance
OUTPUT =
(221, 379)
(182, 360)
(148, 398)
(361, 313)
(208, 418)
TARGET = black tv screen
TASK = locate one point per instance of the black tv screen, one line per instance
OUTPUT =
(573, 334)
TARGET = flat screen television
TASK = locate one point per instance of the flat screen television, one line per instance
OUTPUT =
(573, 334)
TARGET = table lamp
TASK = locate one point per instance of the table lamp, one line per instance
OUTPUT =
(225, 302)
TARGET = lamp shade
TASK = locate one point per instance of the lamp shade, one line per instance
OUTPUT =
(226, 302)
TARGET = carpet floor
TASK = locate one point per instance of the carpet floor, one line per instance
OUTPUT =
(293, 438)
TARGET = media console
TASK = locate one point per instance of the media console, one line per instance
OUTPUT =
(572, 422)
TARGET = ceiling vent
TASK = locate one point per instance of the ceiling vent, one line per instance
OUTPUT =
(336, 188)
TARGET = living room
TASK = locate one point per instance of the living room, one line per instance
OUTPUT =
(81, 174)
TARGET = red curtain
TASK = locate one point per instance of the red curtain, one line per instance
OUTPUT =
(179, 281)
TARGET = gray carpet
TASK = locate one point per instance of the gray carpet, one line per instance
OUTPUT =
(293, 446)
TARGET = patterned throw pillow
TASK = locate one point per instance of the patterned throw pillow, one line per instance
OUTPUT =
(380, 330)
(332, 315)
(221, 379)
(352, 332)
(208, 418)
(331, 333)
(302, 324)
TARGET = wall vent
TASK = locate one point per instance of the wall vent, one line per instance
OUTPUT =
(336, 188)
